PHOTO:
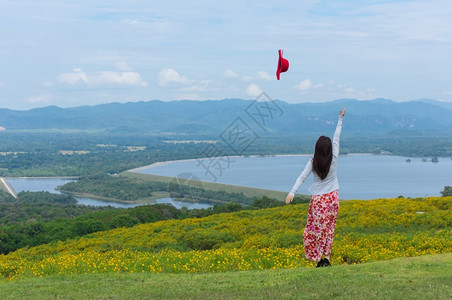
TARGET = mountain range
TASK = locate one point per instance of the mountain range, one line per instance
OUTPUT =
(213, 117)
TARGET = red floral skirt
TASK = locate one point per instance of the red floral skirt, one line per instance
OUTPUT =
(319, 232)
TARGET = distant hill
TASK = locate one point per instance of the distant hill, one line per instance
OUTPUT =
(212, 117)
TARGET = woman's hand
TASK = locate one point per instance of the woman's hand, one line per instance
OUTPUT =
(289, 198)
(342, 113)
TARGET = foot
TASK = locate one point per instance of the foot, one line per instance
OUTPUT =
(320, 263)
(326, 263)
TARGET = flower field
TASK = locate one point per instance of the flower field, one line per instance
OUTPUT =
(271, 238)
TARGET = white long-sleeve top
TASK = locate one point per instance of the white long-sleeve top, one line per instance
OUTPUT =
(330, 183)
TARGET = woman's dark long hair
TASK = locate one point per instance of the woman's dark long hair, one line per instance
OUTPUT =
(323, 156)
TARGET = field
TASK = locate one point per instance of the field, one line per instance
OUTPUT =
(424, 277)
(213, 186)
(367, 231)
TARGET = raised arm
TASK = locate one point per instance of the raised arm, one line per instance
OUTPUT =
(337, 133)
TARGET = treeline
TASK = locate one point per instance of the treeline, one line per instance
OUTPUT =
(39, 206)
(130, 189)
(39, 154)
(15, 236)
(79, 155)
(33, 233)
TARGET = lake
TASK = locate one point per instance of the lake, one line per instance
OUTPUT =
(50, 185)
(360, 176)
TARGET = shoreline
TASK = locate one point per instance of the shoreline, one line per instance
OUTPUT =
(163, 163)
(43, 177)
(157, 164)
(101, 198)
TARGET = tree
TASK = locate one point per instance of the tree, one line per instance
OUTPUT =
(124, 220)
(266, 202)
(447, 191)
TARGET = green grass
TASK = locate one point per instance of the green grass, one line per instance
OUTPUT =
(214, 186)
(423, 277)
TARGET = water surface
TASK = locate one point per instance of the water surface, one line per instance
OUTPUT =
(360, 176)
(50, 185)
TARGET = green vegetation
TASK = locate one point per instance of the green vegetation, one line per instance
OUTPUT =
(39, 218)
(240, 234)
(447, 191)
(82, 154)
(39, 206)
(269, 238)
(402, 144)
(248, 192)
(33, 233)
(425, 277)
(130, 187)
(69, 154)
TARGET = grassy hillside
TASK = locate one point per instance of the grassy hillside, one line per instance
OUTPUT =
(424, 277)
(247, 240)
(213, 186)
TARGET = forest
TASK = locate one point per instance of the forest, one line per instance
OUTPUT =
(77, 154)
(40, 218)
(131, 189)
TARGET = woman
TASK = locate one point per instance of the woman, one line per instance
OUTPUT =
(323, 208)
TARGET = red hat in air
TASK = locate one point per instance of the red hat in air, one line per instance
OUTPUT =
(283, 64)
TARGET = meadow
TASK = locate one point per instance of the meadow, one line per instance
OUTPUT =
(211, 186)
(421, 277)
(367, 231)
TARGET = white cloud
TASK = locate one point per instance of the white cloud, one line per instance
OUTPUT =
(103, 78)
(304, 85)
(230, 74)
(349, 90)
(123, 66)
(260, 75)
(39, 99)
(200, 86)
(253, 90)
(264, 75)
(122, 78)
(366, 42)
(169, 75)
(2, 84)
(72, 78)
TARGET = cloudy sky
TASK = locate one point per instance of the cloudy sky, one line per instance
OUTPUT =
(72, 53)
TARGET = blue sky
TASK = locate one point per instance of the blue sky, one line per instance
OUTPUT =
(72, 53)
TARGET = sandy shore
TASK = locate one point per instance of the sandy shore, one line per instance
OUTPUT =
(157, 164)
(162, 163)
